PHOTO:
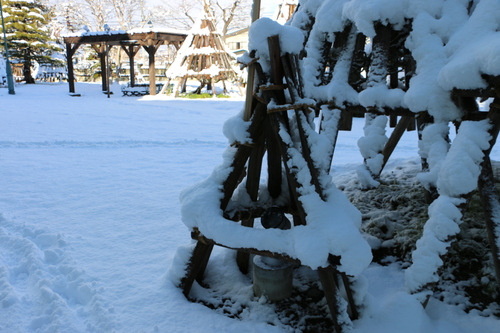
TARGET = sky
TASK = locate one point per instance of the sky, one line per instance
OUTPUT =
(267, 6)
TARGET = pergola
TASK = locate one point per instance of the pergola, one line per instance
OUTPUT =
(130, 42)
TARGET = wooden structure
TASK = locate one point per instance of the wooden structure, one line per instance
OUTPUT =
(268, 131)
(130, 42)
(203, 57)
(278, 108)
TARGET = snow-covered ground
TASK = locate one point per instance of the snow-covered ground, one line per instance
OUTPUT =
(90, 220)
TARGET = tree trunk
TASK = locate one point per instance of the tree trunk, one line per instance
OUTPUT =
(27, 72)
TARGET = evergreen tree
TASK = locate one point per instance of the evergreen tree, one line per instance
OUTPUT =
(28, 36)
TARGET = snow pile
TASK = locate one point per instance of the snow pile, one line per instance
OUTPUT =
(39, 281)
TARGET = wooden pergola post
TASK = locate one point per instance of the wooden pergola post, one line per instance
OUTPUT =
(151, 49)
(131, 51)
(70, 52)
(102, 51)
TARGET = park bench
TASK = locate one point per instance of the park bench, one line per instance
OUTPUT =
(140, 89)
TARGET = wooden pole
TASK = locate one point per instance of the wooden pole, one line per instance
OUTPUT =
(108, 71)
(252, 186)
(70, 51)
(491, 204)
(101, 51)
(328, 278)
(131, 52)
(131, 56)
(487, 189)
(251, 70)
(151, 50)
(396, 135)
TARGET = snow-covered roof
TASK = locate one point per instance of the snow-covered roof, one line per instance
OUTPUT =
(83, 33)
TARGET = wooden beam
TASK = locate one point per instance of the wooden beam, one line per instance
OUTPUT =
(396, 135)
(196, 235)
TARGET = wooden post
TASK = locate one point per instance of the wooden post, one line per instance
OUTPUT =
(212, 83)
(196, 266)
(131, 52)
(491, 205)
(328, 277)
(251, 70)
(70, 51)
(487, 189)
(102, 52)
(274, 168)
(242, 155)
(396, 135)
(151, 49)
(252, 186)
(108, 71)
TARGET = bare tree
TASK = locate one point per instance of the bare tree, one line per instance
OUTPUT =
(126, 12)
(229, 14)
(91, 13)
(235, 14)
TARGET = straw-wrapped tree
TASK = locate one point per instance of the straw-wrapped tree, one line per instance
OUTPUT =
(203, 56)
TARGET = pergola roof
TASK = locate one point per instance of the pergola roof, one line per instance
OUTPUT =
(121, 37)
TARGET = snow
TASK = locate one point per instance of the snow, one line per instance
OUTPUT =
(91, 237)
(291, 39)
(370, 147)
(458, 176)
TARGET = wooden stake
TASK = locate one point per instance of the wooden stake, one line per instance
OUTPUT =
(247, 113)
(196, 266)
(491, 205)
(252, 187)
(396, 135)
(328, 278)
